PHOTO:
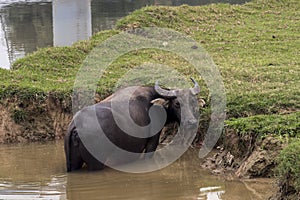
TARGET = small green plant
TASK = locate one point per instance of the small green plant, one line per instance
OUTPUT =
(288, 168)
(18, 115)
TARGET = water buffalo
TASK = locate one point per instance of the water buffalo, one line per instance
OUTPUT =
(140, 103)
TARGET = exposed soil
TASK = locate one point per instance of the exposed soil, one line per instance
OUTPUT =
(285, 192)
(247, 157)
(9, 130)
(36, 121)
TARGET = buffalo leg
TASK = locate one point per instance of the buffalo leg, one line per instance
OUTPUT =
(151, 145)
(75, 159)
(91, 162)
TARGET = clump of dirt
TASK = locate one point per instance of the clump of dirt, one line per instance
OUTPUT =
(9, 130)
(262, 160)
(285, 192)
(248, 160)
(220, 163)
(33, 120)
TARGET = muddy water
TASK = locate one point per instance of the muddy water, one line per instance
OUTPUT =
(37, 171)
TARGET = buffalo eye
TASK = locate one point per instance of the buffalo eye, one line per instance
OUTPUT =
(177, 104)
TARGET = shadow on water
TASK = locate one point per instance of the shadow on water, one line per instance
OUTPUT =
(37, 171)
(26, 25)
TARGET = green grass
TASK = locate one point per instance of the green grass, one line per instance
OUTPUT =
(256, 47)
(47, 70)
(288, 168)
(287, 125)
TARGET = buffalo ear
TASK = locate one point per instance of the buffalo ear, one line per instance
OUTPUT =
(160, 101)
(202, 103)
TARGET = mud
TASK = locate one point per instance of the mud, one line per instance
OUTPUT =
(260, 162)
(40, 120)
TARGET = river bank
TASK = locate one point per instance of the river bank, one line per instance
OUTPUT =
(254, 46)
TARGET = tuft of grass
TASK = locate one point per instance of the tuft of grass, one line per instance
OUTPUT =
(287, 125)
(288, 168)
(19, 115)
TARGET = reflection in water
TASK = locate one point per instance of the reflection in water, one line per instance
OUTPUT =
(33, 191)
(37, 171)
(211, 193)
(71, 21)
(26, 25)
(24, 28)
(4, 46)
(33, 171)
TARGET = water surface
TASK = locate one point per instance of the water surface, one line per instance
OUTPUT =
(37, 171)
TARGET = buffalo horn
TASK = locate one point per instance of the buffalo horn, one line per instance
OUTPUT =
(196, 88)
(160, 101)
(163, 92)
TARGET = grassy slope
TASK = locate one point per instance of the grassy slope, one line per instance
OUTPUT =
(256, 47)
(47, 70)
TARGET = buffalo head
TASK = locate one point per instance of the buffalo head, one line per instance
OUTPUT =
(181, 104)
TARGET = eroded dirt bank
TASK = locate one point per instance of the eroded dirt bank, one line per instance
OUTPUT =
(245, 157)
(29, 121)
(248, 157)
